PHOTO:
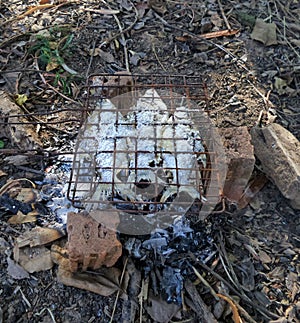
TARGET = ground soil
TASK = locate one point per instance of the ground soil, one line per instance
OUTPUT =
(246, 82)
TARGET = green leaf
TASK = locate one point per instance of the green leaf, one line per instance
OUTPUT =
(21, 99)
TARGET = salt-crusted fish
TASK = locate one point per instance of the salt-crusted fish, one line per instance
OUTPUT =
(149, 145)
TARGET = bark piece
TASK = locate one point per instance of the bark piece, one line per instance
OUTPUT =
(279, 153)
(202, 309)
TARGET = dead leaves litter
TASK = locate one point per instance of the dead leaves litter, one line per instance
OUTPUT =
(264, 32)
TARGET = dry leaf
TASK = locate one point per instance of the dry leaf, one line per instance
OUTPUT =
(291, 283)
(38, 237)
(27, 195)
(158, 6)
(282, 87)
(52, 65)
(295, 42)
(33, 259)
(254, 186)
(106, 56)
(20, 134)
(2, 173)
(160, 310)
(278, 273)
(98, 284)
(15, 270)
(201, 308)
(264, 32)
(216, 20)
(264, 257)
(17, 160)
(23, 218)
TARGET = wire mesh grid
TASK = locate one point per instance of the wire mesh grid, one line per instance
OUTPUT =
(146, 147)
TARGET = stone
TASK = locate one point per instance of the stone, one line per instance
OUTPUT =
(240, 160)
(279, 153)
(92, 240)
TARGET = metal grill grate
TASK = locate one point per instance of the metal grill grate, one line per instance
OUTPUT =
(146, 148)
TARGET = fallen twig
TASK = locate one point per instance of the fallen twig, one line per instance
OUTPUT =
(23, 296)
(109, 40)
(199, 37)
(121, 34)
(38, 7)
(54, 89)
(254, 305)
(35, 8)
(265, 98)
(222, 252)
(14, 182)
(49, 311)
(103, 11)
(204, 281)
(235, 312)
(223, 15)
(118, 292)
(157, 58)
(91, 59)
(220, 33)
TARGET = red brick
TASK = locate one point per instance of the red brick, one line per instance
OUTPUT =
(240, 160)
(92, 240)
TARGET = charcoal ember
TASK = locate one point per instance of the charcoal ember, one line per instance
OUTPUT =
(167, 255)
(181, 227)
(171, 245)
(171, 284)
(133, 246)
(155, 243)
(13, 205)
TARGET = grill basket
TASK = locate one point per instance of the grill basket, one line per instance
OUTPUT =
(147, 149)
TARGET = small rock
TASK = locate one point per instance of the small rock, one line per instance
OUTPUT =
(279, 153)
(200, 57)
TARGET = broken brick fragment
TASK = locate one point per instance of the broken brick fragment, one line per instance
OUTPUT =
(92, 240)
(240, 159)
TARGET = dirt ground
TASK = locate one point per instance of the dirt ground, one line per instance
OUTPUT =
(47, 51)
